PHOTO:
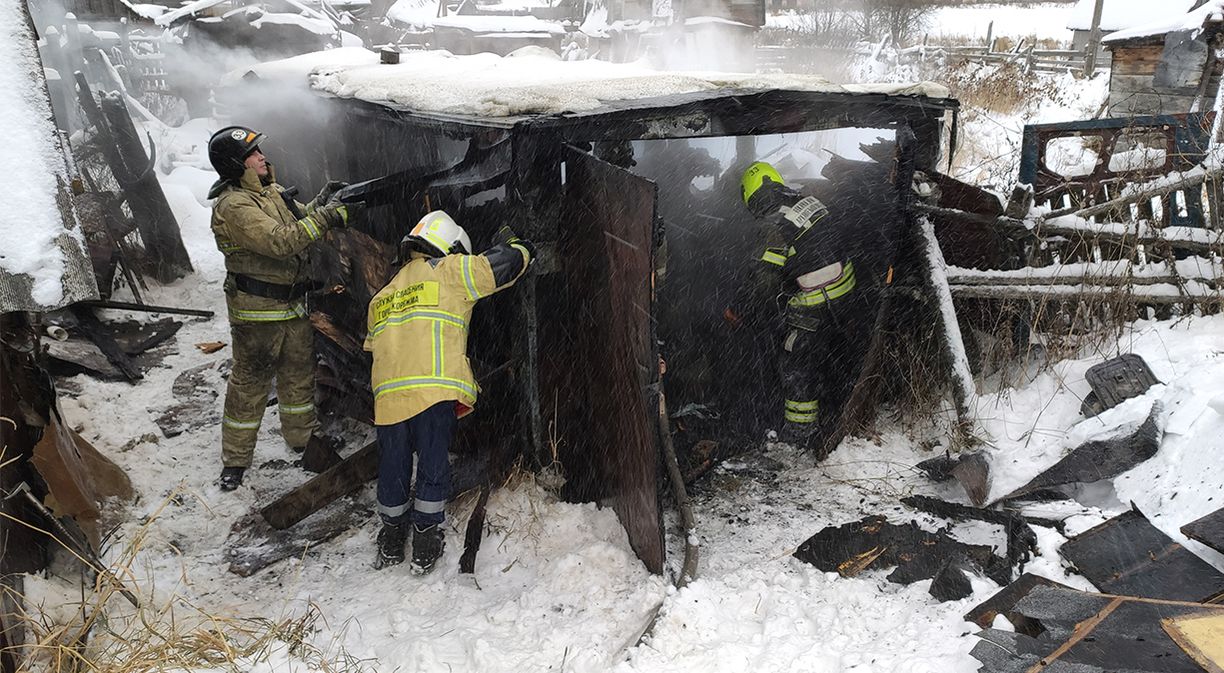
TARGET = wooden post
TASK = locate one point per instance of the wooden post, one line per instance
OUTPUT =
(1094, 39)
(953, 344)
(167, 258)
(989, 37)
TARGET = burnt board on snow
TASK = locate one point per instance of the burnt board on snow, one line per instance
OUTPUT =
(874, 543)
(1128, 555)
(1209, 530)
(1090, 633)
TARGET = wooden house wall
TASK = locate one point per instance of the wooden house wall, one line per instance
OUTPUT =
(1132, 86)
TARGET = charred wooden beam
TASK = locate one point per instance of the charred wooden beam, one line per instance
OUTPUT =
(340, 479)
(147, 308)
(95, 331)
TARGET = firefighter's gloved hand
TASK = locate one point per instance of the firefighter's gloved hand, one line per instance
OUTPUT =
(325, 194)
(505, 235)
(531, 249)
(335, 214)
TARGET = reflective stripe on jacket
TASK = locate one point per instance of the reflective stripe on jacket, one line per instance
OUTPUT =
(261, 238)
(418, 328)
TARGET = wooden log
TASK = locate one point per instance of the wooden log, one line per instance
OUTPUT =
(353, 472)
(338, 480)
(1081, 293)
(1145, 192)
(1045, 229)
(1098, 280)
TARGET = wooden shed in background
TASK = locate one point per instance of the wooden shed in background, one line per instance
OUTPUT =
(1158, 70)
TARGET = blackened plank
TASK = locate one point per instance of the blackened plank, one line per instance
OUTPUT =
(1004, 603)
(1128, 555)
(1209, 530)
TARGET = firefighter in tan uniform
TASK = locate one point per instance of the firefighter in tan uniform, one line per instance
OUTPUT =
(265, 244)
(421, 377)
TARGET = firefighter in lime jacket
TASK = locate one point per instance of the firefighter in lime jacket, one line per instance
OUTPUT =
(421, 377)
(824, 312)
(265, 242)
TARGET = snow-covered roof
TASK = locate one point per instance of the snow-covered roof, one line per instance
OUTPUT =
(43, 264)
(296, 69)
(534, 81)
(499, 24)
(1212, 11)
(1123, 14)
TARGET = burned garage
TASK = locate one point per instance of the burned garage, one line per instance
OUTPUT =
(647, 253)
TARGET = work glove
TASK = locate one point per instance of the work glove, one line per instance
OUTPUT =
(325, 194)
(505, 236)
(531, 249)
(335, 214)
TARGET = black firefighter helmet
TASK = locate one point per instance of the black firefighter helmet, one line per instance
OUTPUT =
(229, 148)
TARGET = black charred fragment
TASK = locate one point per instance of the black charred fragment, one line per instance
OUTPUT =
(1209, 530)
(873, 543)
(1021, 540)
(1004, 603)
(951, 582)
(1089, 633)
(1099, 459)
(1128, 555)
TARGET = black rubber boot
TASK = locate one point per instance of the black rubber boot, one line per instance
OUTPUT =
(231, 478)
(427, 545)
(390, 545)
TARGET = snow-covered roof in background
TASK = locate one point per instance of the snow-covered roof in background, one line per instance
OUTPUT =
(713, 20)
(188, 9)
(258, 18)
(296, 69)
(145, 10)
(499, 24)
(535, 81)
(1121, 14)
(1212, 11)
(42, 262)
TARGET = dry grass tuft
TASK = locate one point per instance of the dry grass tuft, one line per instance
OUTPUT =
(106, 636)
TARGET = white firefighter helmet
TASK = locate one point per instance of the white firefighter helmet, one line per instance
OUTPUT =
(437, 232)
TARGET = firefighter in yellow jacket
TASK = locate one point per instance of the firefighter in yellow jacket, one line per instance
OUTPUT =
(265, 243)
(421, 377)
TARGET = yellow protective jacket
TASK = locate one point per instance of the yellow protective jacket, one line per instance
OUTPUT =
(418, 329)
(261, 238)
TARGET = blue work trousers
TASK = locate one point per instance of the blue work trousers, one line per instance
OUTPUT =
(429, 435)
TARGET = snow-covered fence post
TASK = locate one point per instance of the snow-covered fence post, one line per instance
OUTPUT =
(952, 343)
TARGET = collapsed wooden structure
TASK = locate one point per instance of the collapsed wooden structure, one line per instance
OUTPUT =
(567, 361)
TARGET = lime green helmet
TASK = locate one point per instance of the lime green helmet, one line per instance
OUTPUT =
(755, 177)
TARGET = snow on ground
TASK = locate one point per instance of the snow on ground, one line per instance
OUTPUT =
(557, 586)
